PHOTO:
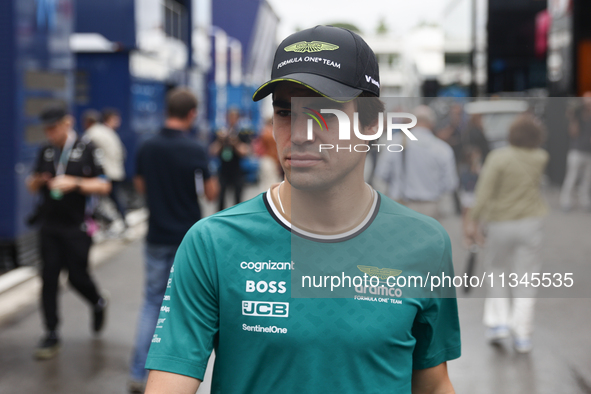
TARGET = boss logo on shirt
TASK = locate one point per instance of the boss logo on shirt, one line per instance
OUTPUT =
(264, 287)
(270, 309)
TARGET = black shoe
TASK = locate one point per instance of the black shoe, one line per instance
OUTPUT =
(99, 315)
(135, 387)
(49, 347)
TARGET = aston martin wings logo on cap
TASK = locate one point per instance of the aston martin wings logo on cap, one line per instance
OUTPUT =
(310, 46)
(382, 273)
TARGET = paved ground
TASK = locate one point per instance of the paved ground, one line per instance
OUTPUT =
(560, 362)
(561, 359)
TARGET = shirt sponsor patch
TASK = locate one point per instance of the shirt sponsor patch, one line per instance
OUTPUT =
(268, 309)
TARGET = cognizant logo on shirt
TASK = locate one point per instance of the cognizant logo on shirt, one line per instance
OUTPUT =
(259, 266)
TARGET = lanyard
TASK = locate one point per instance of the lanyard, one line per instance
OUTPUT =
(60, 167)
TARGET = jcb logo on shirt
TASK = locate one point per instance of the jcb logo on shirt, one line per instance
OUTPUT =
(270, 309)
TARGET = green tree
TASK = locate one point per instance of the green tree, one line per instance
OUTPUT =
(382, 28)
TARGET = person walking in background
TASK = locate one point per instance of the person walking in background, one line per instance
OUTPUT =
(454, 134)
(90, 117)
(230, 145)
(475, 136)
(578, 161)
(172, 170)
(424, 171)
(509, 200)
(475, 150)
(265, 147)
(67, 170)
(103, 134)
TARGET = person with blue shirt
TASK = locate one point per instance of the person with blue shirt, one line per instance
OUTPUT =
(172, 170)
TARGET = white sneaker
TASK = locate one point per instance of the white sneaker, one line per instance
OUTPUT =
(496, 334)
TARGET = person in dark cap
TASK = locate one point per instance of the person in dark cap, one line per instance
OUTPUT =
(66, 171)
(237, 285)
(90, 117)
(230, 146)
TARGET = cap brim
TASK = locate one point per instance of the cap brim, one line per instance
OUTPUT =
(324, 86)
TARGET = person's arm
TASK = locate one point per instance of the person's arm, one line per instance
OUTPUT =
(37, 180)
(433, 380)
(70, 183)
(160, 382)
(449, 173)
(216, 146)
(437, 330)
(486, 185)
(211, 188)
(39, 176)
(140, 184)
(242, 148)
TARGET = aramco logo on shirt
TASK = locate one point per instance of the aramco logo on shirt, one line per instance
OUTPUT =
(381, 273)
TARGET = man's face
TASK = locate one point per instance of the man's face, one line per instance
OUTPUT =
(233, 117)
(115, 122)
(305, 166)
(57, 134)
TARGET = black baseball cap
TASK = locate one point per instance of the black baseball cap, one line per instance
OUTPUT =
(51, 114)
(332, 61)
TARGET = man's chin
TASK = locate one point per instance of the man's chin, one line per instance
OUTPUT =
(306, 180)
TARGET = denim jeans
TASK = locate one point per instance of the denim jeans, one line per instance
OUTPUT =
(159, 259)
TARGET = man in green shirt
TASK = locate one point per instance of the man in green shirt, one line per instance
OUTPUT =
(238, 286)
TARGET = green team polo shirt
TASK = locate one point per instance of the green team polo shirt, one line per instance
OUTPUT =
(230, 291)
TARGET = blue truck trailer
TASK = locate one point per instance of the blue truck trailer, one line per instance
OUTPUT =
(36, 68)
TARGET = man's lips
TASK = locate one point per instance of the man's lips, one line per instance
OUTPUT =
(303, 160)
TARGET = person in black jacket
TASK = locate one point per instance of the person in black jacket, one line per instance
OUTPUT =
(67, 170)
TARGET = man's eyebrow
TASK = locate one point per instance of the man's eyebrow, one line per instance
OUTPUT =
(281, 104)
(322, 102)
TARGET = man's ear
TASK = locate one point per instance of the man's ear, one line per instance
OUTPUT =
(372, 129)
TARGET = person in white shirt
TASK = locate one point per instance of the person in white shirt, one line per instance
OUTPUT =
(424, 171)
(104, 136)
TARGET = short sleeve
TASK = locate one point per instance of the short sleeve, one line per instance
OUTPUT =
(188, 323)
(437, 327)
(204, 164)
(38, 166)
(93, 161)
(139, 161)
